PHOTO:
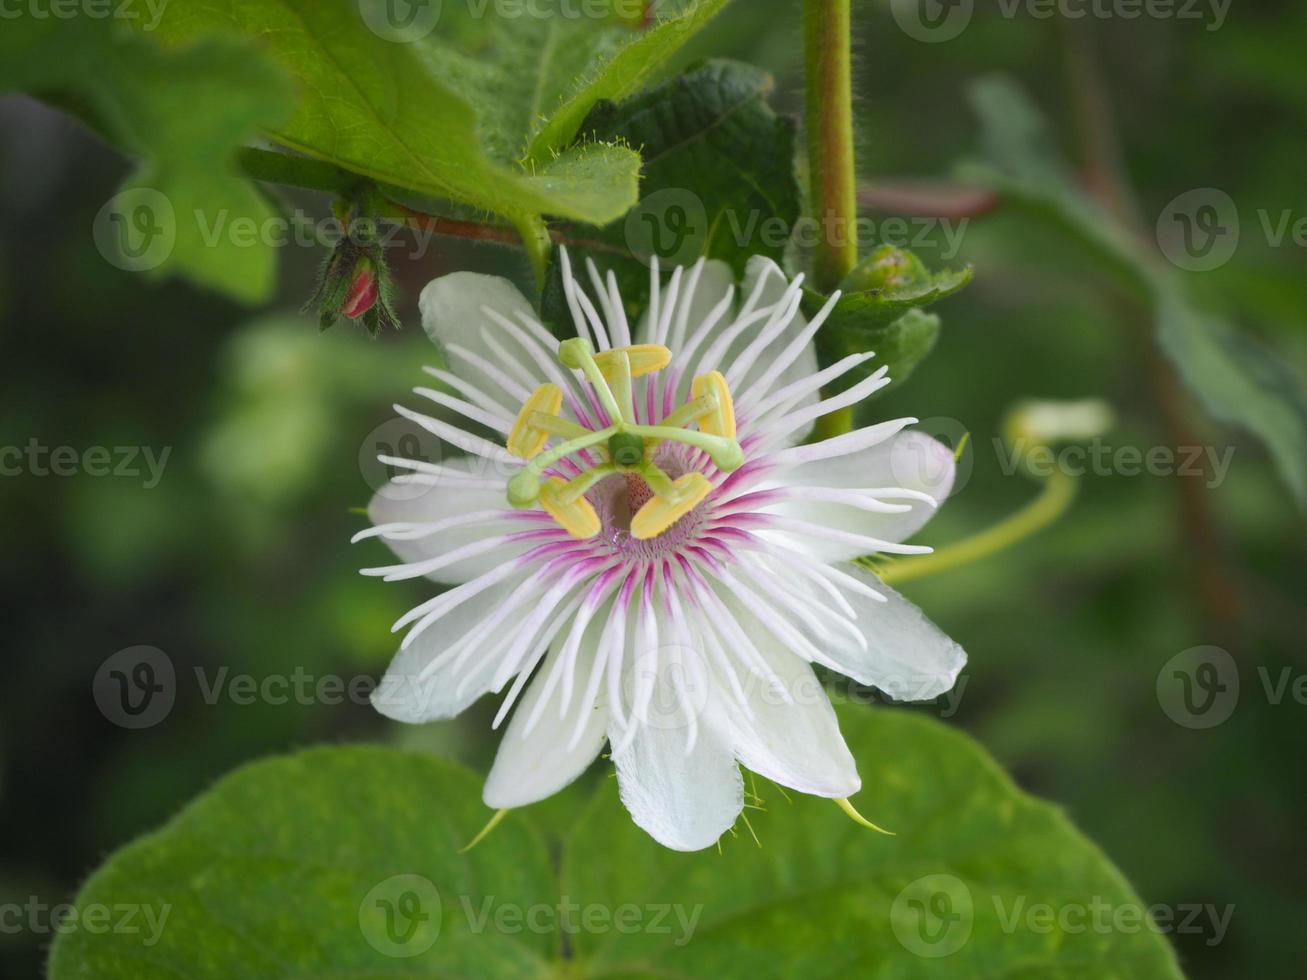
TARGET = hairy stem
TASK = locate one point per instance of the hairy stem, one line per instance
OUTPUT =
(828, 61)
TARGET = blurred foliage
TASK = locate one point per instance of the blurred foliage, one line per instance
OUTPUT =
(183, 114)
(242, 561)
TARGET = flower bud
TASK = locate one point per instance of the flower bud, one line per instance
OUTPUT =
(355, 282)
(363, 293)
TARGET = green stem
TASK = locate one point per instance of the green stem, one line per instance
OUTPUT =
(828, 59)
(1059, 490)
(538, 243)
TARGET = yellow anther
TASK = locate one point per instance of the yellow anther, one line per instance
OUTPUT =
(576, 517)
(661, 512)
(645, 359)
(525, 440)
(720, 421)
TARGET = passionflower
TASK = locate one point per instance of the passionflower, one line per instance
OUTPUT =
(642, 550)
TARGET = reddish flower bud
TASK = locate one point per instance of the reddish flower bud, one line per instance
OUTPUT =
(363, 292)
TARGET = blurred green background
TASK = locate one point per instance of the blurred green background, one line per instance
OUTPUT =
(239, 557)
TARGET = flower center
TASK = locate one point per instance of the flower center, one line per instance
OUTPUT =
(625, 448)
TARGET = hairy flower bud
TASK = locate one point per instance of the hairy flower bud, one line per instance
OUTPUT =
(355, 281)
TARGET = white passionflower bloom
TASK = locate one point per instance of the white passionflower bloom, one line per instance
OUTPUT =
(642, 550)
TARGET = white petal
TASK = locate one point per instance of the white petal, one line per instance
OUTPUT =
(911, 460)
(800, 366)
(683, 800)
(714, 282)
(412, 692)
(907, 655)
(531, 766)
(453, 316)
(459, 491)
(791, 735)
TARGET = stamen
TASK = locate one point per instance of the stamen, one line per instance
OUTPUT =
(644, 359)
(691, 411)
(556, 426)
(621, 380)
(628, 444)
(666, 508)
(575, 516)
(721, 421)
(526, 439)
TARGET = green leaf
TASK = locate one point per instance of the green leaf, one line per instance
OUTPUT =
(1236, 379)
(881, 310)
(612, 76)
(286, 867)
(824, 897)
(289, 867)
(182, 114)
(718, 177)
(1240, 382)
(454, 106)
